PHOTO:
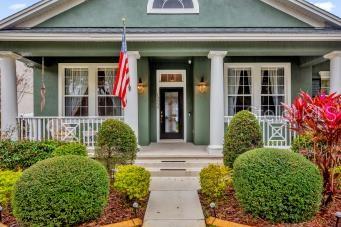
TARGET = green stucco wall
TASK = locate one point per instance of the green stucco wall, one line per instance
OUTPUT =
(144, 110)
(170, 64)
(213, 13)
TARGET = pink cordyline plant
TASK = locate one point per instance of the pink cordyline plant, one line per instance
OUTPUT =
(321, 117)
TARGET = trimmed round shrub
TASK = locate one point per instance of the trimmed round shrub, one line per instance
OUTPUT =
(242, 134)
(61, 191)
(214, 180)
(15, 155)
(70, 149)
(303, 144)
(277, 185)
(132, 181)
(116, 143)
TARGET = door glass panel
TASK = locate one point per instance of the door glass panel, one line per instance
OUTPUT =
(171, 112)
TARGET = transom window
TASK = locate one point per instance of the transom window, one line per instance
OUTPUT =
(86, 90)
(173, 6)
(258, 87)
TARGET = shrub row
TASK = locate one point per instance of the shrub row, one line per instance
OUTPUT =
(7, 182)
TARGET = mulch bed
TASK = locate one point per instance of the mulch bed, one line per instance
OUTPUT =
(229, 209)
(119, 209)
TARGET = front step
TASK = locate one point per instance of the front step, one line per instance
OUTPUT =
(176, 167)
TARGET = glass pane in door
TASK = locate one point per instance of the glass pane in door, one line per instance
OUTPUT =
(171, 112)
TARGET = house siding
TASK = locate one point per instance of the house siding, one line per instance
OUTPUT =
(217, 13)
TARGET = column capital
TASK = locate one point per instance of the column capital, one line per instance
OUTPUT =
(212, 54)
(333, 54)
(135, 54)
(9, 54)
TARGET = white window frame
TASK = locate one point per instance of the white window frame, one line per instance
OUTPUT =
(256, 69)
(325, 76)
(151, 10)
(92, 86)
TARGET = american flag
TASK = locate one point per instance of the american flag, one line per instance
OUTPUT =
(122, 80)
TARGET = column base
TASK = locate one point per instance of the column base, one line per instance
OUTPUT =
(215, 149)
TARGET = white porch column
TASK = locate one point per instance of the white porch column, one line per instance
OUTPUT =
(335, 71)
(217, 101)
(131, 116)
(9, 106)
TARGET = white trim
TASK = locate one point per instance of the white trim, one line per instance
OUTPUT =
(151, 10)
(325, 75)
(256, 81)
(175, 37)
(92, 86)
(159, 85)
(38, 13)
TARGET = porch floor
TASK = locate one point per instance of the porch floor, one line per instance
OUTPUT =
(175, 150)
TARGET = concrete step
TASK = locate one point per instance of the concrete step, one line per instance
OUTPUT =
(174, 172)
(176, 164)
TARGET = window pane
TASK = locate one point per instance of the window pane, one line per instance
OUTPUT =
(108, 105)
(173, 4)
(76, 92)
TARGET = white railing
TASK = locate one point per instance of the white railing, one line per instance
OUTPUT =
(78, 129)
(276, 131)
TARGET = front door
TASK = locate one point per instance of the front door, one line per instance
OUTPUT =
(171, 113)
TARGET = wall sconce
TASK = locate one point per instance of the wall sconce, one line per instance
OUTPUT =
(141, 86)
(202, 86)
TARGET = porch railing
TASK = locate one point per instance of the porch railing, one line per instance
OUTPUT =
(78, 129)
(276, 131)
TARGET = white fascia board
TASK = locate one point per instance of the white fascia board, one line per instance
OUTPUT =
(38, 13)
(305, 12)
(174, 37)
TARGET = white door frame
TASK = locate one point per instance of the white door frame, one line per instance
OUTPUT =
(159, 85)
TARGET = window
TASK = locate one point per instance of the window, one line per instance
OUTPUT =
(85, 90)
(239, 90)
(76, 92)
(325, 81)
(108, 104)
(171, 78)
(173, 6)
(258, 87)
(273, 91)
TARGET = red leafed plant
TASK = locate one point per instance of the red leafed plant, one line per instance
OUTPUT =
(320, 116)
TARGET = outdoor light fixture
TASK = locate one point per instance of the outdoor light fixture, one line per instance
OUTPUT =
(202, 86)
(135, 206)
(140, 86)
(213, 206)
(338, 218)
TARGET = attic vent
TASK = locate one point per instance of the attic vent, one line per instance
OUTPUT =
(173, 6)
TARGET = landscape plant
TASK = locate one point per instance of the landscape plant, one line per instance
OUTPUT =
(70, 149)
(7, 181)
(214, 180)
(132, 181)
(16, 155)
(321, 117)
(61, 191)
(243, 134)
(116, 144)
(277, 185)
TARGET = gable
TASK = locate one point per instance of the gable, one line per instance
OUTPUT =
(213, 13)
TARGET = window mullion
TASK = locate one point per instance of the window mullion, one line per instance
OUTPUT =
(92, 90)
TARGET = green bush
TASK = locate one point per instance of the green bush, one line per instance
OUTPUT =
(214, 180)
(303, 144)
(243, 134)
(70, 149)
(132, 181)
(116, 143)
(61, 191)
(7, 182)
(277, 185)
(23, 154)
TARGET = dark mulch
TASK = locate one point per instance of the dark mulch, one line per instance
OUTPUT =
(119, 209)
(229, 209)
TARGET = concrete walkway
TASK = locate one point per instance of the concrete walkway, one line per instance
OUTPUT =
(174, 202)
